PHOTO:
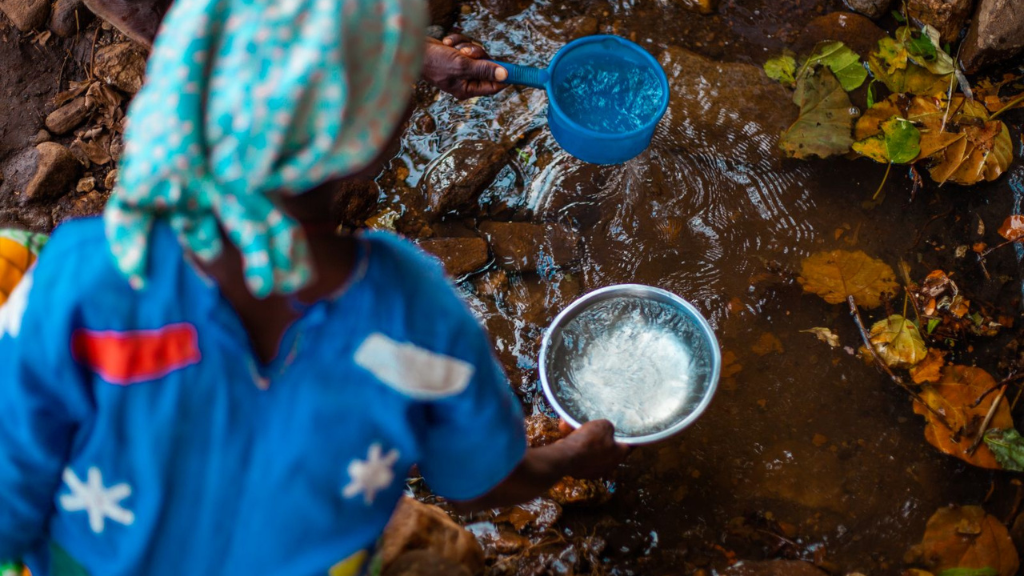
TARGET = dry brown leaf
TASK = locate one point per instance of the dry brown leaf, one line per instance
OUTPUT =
(825, 335)
(836, 274)
(954, 397)
(1012, 228)
(929, 369)
(965, 537)
(984, 153)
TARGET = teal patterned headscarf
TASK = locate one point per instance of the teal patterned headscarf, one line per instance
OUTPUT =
(248, 98)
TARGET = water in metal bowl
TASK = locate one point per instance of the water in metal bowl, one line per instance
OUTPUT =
(639, 356)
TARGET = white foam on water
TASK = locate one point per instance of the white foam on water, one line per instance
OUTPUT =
(629, 361)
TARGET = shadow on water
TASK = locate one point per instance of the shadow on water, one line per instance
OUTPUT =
(803, 433)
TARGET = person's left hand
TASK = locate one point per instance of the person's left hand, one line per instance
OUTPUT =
(459, 67)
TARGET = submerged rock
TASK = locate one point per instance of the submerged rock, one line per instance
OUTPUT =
(456, 178)
(526, 247)
(579, 492)
(996, 34)
(136, 19)
(542, 430)
(946, 16)
(869, 8)
(460, 256)
(26, 14)
(856, 31)
(715, 103)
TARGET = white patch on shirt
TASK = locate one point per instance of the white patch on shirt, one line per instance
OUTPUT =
(370, 476)
(13, 310)
(98, 501)
(412, 370)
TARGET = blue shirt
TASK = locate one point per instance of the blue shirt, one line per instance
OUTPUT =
(140, 436)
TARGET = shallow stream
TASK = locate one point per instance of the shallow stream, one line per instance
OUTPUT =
(802, 434)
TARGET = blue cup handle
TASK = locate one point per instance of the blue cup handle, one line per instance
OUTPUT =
(525, 75)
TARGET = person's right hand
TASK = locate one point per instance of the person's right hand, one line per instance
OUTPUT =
(592, 450)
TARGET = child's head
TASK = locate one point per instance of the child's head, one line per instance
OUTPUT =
(250, 101)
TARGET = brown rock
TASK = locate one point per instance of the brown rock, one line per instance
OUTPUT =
(41, 136)
(442, 13)
(424, 563)
(122, 65)
(996, 34)
(354, 203)
(456, 178)
(537, 301)
(946, 16)
(578, 492)
(46, 171)
(869, 8)
(69, 17)
(81, 206)
(87, 184)
(856, 31)
(67, 117)
(136, 19)
(542, 430)
(460, 256)
(773, 568)
(26, 14)
(418, 526)
(111, 180)
(491, 283)
(580, 26)
(499, 541)
(522, 246)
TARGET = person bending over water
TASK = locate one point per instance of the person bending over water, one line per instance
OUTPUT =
(208, 379)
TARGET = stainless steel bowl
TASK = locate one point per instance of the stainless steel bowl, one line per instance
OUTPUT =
(556, 355)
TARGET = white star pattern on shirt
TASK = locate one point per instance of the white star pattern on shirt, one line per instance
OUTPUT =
(371, 475)
(99, 502)
(14, 309)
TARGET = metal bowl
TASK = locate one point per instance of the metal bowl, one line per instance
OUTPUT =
(567, 346)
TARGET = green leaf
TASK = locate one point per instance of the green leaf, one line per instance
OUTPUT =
(891, 65)
(826, 117)
(871, 93)
(986, 571)
(897, 342)
(933, 323)
(921, 48)
(898, 143)
(842, 61)
(1008, 446)
(781, 68)
(899, 17)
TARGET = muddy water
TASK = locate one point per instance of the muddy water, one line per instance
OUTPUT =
(802, 433)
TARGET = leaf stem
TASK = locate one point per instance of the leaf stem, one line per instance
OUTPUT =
(1009, 105)
(987, 421)
(878, 361)
(884, 179)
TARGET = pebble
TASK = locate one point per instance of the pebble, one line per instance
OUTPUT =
(42, 136)
(111, 180)
(67, 117)
(87, 184)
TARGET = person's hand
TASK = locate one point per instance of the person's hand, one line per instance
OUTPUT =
(459, 67)
(592, 449)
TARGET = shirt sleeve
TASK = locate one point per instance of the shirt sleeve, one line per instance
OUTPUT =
(475, 439)
(42, 397)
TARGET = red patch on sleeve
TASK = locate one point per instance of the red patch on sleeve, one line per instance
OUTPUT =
(134, 356)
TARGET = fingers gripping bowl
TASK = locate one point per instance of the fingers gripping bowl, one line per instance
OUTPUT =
(639, 356)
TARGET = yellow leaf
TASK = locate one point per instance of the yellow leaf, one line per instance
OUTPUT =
(825, 335)
(826, 116)
(954, 397)
(836, 274)
(897, 342)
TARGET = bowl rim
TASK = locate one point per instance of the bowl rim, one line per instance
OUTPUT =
(635, 290)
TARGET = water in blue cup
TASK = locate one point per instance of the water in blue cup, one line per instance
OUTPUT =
(606, 96)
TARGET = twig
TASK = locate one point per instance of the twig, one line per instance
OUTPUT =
(988, 251)
(920, 233)
(1008, 380)
(884, 180)
(987, 421)
(1014, 404)
(878, 361)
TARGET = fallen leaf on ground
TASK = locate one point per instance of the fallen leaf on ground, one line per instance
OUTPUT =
(899, 142)
(781, 68)
(965, 537)
(730, 367)
(1008, 446)
(842, 61)
(1012, 228)
(767, 344)
(826, 117)
(926, 50)
(836, 274)
(870, 122)
(898, 342)
(929, 369)
(954, 397)
(825, 335)
(984, 153)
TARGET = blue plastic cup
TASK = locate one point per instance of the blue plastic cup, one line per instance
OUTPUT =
(589, 145)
